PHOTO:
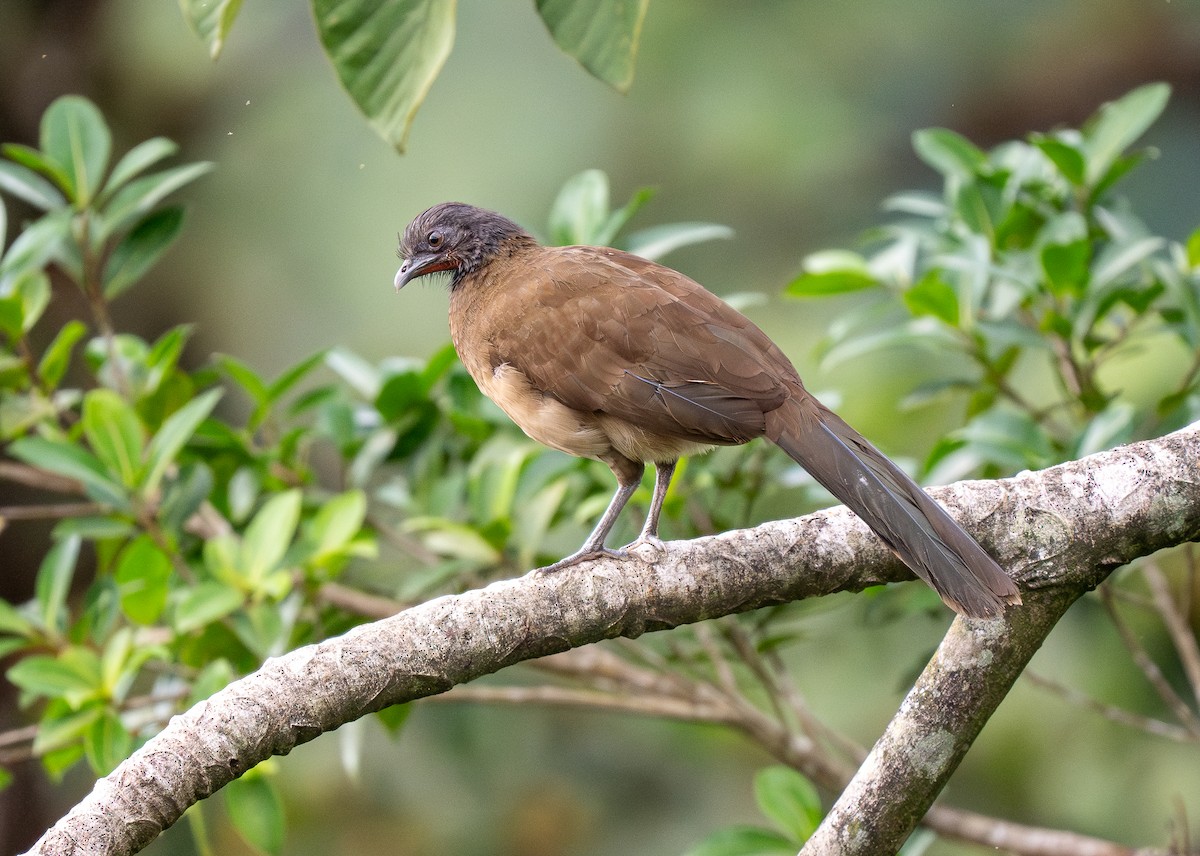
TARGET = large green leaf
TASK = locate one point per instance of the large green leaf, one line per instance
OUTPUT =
(269, 534)
(256, 810)
(657, 241)
(138, 198)
(387, 54)
(1118, 125)
(142, 575)
(211, 20)
(950, 153)
(602, 35)
(114, 433)
(75, 136)
(26, 184)
(789, 800)
(174, 433)
(53, 583)
(67, 459)
(744, 841)
(140, 249)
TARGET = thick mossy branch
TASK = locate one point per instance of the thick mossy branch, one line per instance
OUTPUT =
(1061, 530)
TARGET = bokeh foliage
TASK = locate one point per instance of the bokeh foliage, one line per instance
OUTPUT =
(213, 517)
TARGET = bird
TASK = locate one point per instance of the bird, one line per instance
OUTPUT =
(606, 355)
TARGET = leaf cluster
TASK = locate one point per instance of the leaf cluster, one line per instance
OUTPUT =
(1037, 287)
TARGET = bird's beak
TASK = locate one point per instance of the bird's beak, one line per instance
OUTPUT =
(419, 265)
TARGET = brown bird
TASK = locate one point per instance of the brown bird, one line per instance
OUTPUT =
(603, 354)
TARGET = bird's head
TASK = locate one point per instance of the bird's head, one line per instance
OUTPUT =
(454, 237)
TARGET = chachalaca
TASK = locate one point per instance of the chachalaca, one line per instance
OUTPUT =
(605, 355)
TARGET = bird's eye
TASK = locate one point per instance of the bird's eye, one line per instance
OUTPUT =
(434, 240)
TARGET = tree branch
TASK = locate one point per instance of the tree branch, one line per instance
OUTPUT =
(1059, 532)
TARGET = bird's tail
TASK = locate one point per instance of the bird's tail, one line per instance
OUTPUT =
(915, 527)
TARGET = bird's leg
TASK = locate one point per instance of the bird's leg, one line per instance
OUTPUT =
(629, 476)
(662, 480)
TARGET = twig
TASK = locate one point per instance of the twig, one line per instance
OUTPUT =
(39, 478)
(1119, 715)
(1181, 634)
(791, 749)
(1149, 668)
(359, 602)
(51, 512)
(661, 706)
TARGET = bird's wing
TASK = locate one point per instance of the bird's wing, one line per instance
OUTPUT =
(606, 332)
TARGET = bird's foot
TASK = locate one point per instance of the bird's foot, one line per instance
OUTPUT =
(583, 555)
(648, 548)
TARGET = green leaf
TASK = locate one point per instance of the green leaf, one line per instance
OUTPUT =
(211, 21)
(1066, 266)
(136, 161)
(64, 727)
(74, 675)
(1118, 125)
(12, 621)
(204, 603)
(57, 357)
(115, 433)
(448, 538)
(214, 677)
(1068, 158)
(184, 495)
(75, 136)
(337, 521)
(603, 35)
(950, 153)
(269, 534)
(401, 392)
(178, 428)
(580, 211)
(142, 574)
(41, 241)
(94, 528)
(256, 811)
(69, 460)
(394, 717)
(790, 801)
(932, 295)
(922, 333)
(246, 377)
(107, 743)
(658, 241)
(357, 372)
(34, 291)
(1110, 428)
(1193, 249)
(36, 160)
(26, 184)
(53, 583)
(387, 54)
(744, 841)
(291, 376)
(1118, 258)
(138, 198)
(26, 300)
(832, 272)
(140, 249)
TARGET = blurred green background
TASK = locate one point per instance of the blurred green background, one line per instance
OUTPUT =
(788, 121)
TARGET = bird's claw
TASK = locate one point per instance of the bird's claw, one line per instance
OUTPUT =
(648, 548)
(582, 556)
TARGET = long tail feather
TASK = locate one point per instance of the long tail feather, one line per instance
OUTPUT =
(915, 527)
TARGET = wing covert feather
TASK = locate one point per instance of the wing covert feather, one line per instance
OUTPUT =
(645, 344)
